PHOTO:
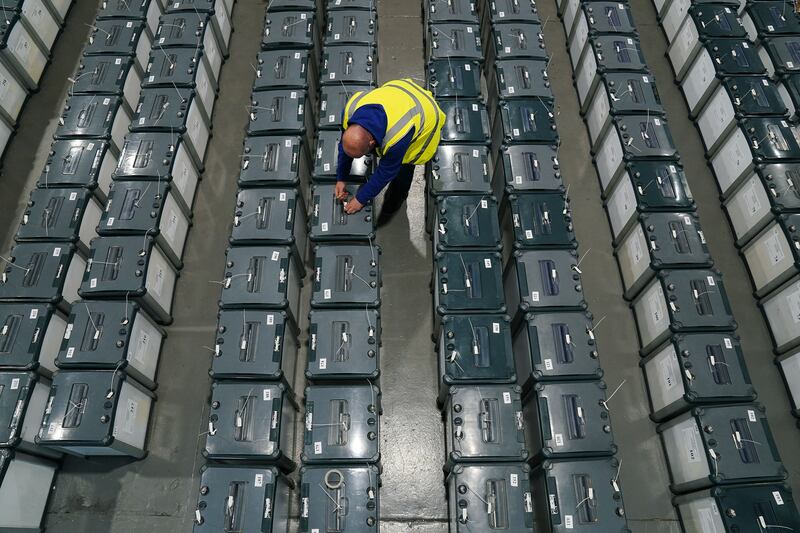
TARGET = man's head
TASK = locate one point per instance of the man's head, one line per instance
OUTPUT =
(357, 141)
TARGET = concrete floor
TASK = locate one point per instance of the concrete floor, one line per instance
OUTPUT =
(158, 494)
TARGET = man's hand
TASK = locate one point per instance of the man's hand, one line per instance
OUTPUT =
(340, 193)
(352, 206)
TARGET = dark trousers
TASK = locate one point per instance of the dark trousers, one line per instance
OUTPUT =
(397, 191)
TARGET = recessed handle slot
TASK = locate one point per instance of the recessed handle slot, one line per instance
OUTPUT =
(743, 440)
(533, 170)
(489, 415)
(586, 509)
(144, 154)
(549, 277)
(71, 160)
(8, 335)
(85, 115)
(680, 239)
(720, 370)
(92, 331)
(248, 342)
(34, 269)
(244, 418)
(702, 301)
(342, 339)
(130, 203)
(254, 273)
(111, 264)
(339, 423)
(563, 343)
(234, 507)
(575, 416)
(77, 404)
(497, 503)
(344, 273)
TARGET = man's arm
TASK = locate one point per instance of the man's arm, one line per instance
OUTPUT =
(387, 169)
(343, 165)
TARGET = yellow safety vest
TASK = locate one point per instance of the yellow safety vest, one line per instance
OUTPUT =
(407, 105)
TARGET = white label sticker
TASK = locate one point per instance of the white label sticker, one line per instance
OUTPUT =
(751, 415)
(323, 363)
(772, 243)
(548, 364)
(70, 352)
(667, 370)
(326, 167)
(484, 204)
(506, 397)
(326, 294)
(487, 263)
(528, 234)
(317, 448)
(15, 384)
(474, 107)
(93, 283)
(656, 309)
(469, 29)
(467, 67)
(559, 438)
(778, 497)
(728, 343)
(56, 252)
(568, 521)
(514, 480)
(259, 481)
(276, 255)
(495, 327)
(129, 418)
(711, 281)
(475, 153)
(793, 301)
(535, 296)
(110, 221)
(324, 226)
(34, 314)
(73, 196)
(690, 442)
(687, 220)
(266, 395)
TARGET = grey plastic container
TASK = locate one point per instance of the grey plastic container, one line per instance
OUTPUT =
(343, 498)
(132, 269)
(112, 419)
(484, 424)
(248, 498)
(344, 345)
(330, 222)
(30, 335)
(262, 277)
(720, 445)
(556, 346)
(342, 424)
(507, 486)
(254, 345)
(579, 495)
(252, 422)
(271, 217)
(681, 301)
(346, 275)
(568, 420)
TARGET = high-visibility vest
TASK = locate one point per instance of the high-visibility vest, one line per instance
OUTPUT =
(407, 105)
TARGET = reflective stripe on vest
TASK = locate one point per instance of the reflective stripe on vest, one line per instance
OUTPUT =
(436, 125)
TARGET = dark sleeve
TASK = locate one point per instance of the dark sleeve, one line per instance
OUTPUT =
(387, 169)
(343, 164)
